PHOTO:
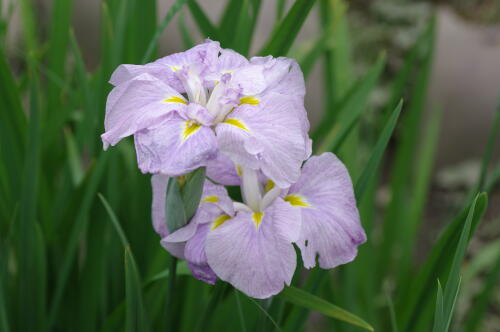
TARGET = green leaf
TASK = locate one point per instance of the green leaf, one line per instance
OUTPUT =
(439, 313)
(350, 110)
(192, 190)
(480, 307)
(74, 162)
(168, 17)
(302, 298)
(378, 152)
(78, 230)
(204, 24)
(135, 318)
(175, 212)
(416, 300)
(30, 270)
(453, 283)
(284, 35)
(114, 221)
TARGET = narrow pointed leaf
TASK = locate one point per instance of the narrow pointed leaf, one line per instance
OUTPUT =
(285, 33)
(378, 152)
(304, 299)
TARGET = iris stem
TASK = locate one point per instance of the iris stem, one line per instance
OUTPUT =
(169, 307)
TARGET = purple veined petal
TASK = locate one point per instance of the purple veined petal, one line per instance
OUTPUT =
(159, 184)
(196, 257)
(250, 79)
(136, 105)
(199, 114)
(175, 146)
(175, 249)
(331, 226)
(253, 251)
(204, 57)
(222, 170)
(282, 75)
(268, 137)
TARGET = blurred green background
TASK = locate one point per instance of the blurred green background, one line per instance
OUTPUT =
(417, 169)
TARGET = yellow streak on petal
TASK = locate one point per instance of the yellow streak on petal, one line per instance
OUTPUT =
(175, 99)
(219, 221)
(189, 129)
(250, 100)
(269, 185)
(174, 68)
(257, 218)
(238, 170)
(297, 200)
(236, 123)
(210, 199)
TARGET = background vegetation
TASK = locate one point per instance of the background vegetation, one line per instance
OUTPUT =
(77, 250)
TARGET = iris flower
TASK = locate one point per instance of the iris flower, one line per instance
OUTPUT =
(191, 108)
(250, 244)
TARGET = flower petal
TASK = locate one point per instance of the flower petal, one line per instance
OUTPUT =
(222, 170)
(175, 146)
(253, 251)
(271, 137)
(159, 184)
(196, 257)
(330, 220)
(136, 105)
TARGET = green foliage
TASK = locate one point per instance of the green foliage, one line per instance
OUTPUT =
(62, 265)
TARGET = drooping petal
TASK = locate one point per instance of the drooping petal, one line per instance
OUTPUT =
(330, 219)
(159, 184)
(136, 105)
(175, 146)
(253, 251)
(266, 136)
(222, 170)
(196, 257)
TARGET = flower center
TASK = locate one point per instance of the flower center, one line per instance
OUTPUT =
(255, 196)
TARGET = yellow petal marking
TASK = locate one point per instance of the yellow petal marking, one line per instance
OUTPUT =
(238, 170)
(250, 100)
(175, 99)
(174, 68)
(236, 123)
(189, 129)
(257, 218)
(269, 185)
(210, 199)
(297, 200)
(219, 221)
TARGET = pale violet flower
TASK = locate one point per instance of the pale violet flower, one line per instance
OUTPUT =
(250, 244)
(191, 108)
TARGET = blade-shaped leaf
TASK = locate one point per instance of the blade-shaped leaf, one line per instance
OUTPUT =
(378, 151)
(168, 17)
(304, 299)
(284, 35)
(204, 24)
(135, 318)
(350, 110)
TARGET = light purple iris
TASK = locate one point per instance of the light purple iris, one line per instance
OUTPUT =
(193, 108)
(250, 244)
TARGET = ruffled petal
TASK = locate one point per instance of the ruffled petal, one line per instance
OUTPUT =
(331, 226)
(136, 105)
(254, 252)
(175, 146)
(267, 136)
